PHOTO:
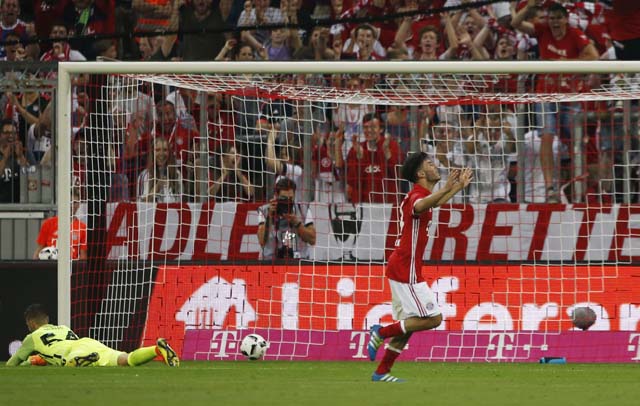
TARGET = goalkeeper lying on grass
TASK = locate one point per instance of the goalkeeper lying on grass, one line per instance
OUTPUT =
(58, 345)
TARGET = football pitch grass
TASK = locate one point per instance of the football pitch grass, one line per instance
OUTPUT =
(304, 383)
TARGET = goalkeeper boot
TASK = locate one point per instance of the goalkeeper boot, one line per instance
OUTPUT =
(84, 361)
(375, 341)
(167, 353)
(386, 378)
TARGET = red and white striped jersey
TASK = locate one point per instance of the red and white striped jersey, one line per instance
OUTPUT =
(405, 263)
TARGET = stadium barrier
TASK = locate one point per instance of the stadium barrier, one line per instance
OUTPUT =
(494, 232)
(479, 323)
(23, 283)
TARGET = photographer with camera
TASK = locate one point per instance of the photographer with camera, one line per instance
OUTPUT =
(285, 227)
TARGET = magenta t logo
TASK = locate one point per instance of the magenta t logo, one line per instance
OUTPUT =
(224, 342)
(634, 345)
(500, 342)
(358, 343)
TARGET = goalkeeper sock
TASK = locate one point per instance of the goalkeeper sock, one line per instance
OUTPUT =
(142, 356)
(389, 358)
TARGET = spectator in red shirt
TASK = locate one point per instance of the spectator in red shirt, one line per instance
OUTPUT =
(180, 138)
(624, 26)
(61, 50)
(46, 13)
(135, 149)
(376, 8)
(219, 121)
(428, 48)
(505, 51)
(371, 165)
(48, 236)
(557, 41)
(362, 45)
(412, 29)
(465, 40)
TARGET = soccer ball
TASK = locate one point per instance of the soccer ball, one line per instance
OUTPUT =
(48, 253)
(583, 317)
(253, 346)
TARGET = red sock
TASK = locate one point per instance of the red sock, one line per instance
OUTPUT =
(392, 330)
(389, 358)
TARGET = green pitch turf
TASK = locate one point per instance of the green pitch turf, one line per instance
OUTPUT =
(323, 383)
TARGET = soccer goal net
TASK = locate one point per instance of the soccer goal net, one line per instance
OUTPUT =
(223, 199)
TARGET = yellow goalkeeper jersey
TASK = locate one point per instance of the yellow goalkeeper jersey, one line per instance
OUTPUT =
(52, 342)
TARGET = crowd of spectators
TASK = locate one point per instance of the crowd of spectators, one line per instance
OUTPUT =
(356, 147)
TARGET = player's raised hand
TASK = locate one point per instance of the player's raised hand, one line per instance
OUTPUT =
(454, 175)
(466, 176)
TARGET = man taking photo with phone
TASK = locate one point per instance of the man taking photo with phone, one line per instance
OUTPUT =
(285, 227)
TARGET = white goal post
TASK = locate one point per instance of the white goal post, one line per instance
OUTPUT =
(66, 70)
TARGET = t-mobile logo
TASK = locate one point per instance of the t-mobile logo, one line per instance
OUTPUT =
(358, 342)
(500, 342)
(634, 346)
(223, 343)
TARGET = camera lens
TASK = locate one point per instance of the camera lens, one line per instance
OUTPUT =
(284, 205)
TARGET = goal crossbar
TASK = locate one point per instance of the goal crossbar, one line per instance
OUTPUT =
(352, 67)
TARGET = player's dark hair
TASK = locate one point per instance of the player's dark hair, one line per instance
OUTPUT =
(36, 312)
(412, 164)
(285, 184)
(558, 8)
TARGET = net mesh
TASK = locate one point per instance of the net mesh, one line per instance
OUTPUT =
(176, 173)
(413, 89)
